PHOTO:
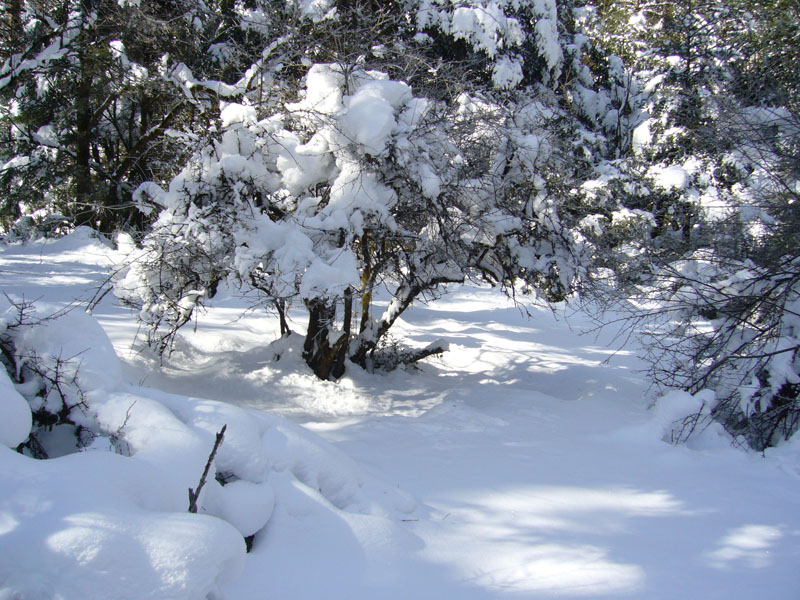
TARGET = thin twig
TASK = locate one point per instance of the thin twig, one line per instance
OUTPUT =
(194, 495)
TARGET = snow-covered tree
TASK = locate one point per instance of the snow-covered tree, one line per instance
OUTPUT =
(715, 169)
(346, 192)
(366, 181)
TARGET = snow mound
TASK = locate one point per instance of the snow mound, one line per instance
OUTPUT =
(97, 525)
(670, 178)
(111, 521)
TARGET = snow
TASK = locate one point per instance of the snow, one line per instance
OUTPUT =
(642, 137)
(370, 116)
(315, 9)
(547, 41)
(506, 73)
(525, 462)
(99, 369)
(15, 414)
(75, 530)
(330, 277)
(484, 26)
(301, 165)
(497, 29)
(323, 91)
(673, 177)
(237, 113)
(56, 50)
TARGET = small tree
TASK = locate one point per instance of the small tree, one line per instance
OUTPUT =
(366, 182)
(348, 192)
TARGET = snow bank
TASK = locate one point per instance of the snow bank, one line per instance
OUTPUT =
(111, 521)
(97, 525)
(78, 339)
(680, 417)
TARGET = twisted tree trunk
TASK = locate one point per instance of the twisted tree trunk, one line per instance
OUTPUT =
(324, 350)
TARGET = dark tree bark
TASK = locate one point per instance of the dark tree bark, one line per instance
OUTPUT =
(321, 352)
(404, 296)
(280, 306)
(83, 140)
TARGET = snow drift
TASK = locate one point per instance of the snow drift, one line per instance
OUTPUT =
(107, 517)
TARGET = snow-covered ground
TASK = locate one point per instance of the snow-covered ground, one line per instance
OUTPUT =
(521, 464)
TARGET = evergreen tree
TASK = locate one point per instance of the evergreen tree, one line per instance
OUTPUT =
(97, 96)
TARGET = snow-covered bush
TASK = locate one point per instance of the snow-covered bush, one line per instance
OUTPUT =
(449, 128)
(711, 184)
(47, 377)
(520, 39)
(731, 327)
(356, 185)
(729, 312)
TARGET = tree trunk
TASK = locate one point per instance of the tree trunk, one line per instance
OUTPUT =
(371, 334)
(323, 353)
(280, 306)
(83, 139)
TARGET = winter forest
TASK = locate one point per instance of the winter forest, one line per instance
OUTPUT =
(471, 299)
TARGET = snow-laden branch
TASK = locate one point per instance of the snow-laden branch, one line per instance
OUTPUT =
(59, 44)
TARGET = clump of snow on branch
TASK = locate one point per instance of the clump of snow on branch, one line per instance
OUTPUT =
(498, 30)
